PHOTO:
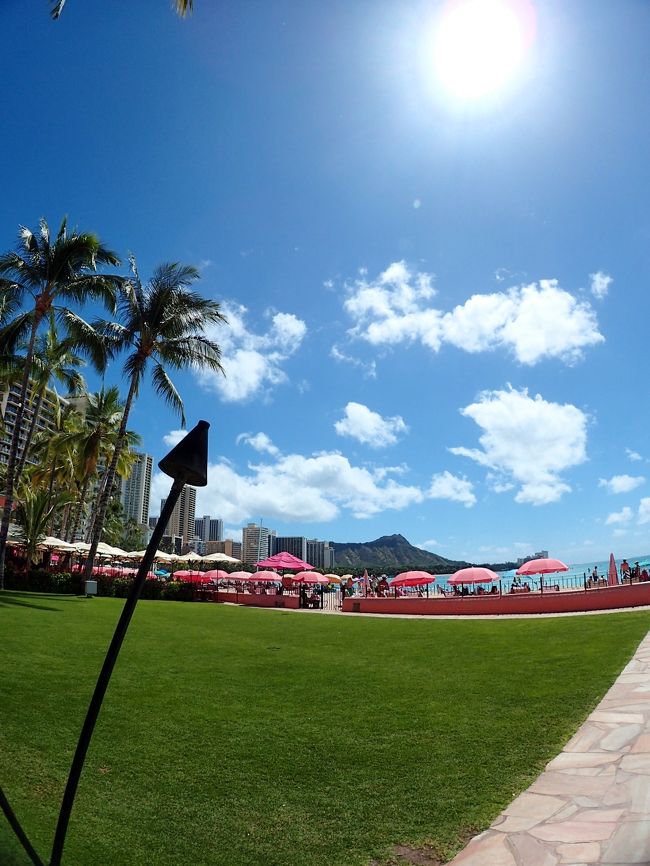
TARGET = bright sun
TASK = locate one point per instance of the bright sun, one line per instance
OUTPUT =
(481, 44)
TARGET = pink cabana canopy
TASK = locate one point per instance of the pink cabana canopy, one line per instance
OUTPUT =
(542, 566)
(284, 560)
(473, 575)
(413, 578)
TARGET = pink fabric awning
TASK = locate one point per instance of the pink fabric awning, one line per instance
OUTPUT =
(542, 566)
(473, 575)
(284, 560)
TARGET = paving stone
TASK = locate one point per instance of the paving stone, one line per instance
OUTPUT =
(622, 718)
(585, 739)
(574, 831)
(538, 806)
(640, 796)
(492, 849)
(607, 815)
(584, 759)
(585, 852)
(637, 763)
(620, 737)
(642, 744)
(629, 844)
(530, 852)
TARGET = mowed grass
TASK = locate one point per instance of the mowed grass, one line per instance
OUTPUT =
(245, 737)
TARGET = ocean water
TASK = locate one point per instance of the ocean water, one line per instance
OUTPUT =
(573, 577)
(578, 571)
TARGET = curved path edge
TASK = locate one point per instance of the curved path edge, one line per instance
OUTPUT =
(592, 802)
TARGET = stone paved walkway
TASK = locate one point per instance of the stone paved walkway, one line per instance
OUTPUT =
(592, 803)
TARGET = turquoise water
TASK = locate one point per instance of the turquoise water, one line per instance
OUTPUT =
(573, 577)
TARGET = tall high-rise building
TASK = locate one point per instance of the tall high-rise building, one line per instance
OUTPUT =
(293, 544)
(9, 400)
(319, 553)
(255, 543)
(136, 490)
(181, 522)
(209, 528)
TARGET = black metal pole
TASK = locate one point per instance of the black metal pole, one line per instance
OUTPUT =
(18, 830)
(105, 675)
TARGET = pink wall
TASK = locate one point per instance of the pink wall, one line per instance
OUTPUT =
(258, 600)
(604, 598)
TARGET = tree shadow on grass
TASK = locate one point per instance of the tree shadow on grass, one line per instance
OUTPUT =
(7, 599)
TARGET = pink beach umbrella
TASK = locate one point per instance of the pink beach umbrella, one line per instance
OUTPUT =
(310, 577)
(191, 576)
(612, 574)
(266, 576)
(413, 578)
(216, 574)
(240, 575)
(476, 574)
(542, 566)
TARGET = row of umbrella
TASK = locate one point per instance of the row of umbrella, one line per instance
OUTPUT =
(310, 577)
(107, 550)
(478, 574)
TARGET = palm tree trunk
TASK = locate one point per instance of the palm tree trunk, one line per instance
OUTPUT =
(30, 434)
(13, 448)
(80, 507)
(109, 476)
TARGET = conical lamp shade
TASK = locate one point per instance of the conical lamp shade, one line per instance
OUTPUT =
(188, 461)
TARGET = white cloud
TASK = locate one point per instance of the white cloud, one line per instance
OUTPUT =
(368, 427)
(369, 369)
(622, 516)
(534, 321)
(621, 483)
(232, 534)
(260, 442)
(619, 533)
(528, 440)
(252, 362)
(428, 545)
(444, 485)
(644, 511)
(634, 456)
(174, 437)
(295, 487)
(600, 283)
(417, 204)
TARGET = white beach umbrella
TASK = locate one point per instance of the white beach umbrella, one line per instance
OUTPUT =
(55, 543)
(220, 557)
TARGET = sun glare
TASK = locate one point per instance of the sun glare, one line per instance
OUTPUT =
(481, 44)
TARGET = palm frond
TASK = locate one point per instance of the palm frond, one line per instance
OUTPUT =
(194, 351)
(166, 389)
(83, 337)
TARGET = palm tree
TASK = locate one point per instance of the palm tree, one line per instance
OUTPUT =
(182, 7)
(47, 271)
(93, 440)
(35, 510)
(53, 359)
(162, 322)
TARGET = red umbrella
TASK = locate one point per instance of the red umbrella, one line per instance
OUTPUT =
(413, 578)
(542, 566)
(284, 560)
(310, 577)
(473, 575)
(612, 574)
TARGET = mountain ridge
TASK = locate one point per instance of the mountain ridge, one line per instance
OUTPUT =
(389, 551)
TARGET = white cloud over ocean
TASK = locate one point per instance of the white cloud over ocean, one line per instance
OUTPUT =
(532, 322)
(527, 441)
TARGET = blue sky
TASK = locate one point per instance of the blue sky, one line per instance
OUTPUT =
(438, 306)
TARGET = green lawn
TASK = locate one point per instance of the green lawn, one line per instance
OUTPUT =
(245, 737)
